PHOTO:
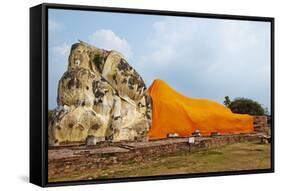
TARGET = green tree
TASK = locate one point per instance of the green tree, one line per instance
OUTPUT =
(246, 106)
(226, 101)
(266, 111)
(50, 114)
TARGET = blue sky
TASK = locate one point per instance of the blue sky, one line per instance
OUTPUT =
(199, 57)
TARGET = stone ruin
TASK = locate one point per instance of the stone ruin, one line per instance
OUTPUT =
(100, 98)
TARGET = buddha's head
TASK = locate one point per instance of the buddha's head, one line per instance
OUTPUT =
(79, 56)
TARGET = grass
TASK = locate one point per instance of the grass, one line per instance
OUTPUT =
(234, 157)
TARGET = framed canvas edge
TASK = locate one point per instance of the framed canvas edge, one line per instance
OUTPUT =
(36, 169)
(44, 98)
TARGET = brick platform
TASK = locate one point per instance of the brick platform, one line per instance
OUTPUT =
(72, 159)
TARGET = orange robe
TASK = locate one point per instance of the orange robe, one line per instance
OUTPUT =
(173, 112)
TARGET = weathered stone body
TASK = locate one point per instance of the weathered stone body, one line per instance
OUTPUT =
(99, 95)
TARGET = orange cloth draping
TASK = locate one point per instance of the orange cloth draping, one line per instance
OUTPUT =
(173, 112)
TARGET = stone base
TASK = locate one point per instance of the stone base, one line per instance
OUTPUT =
(70, 159)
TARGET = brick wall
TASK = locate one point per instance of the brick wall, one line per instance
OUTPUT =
(261, 123)
(76, 159)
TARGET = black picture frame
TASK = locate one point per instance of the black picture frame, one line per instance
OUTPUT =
(39, 91)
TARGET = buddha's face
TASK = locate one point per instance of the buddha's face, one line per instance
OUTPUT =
(79, 57)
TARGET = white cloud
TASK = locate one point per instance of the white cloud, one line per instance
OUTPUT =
(62, 50)
(161, 57)
(169, 42)
(54, 25)
(210, 57)
(107, 39)
(214, 44)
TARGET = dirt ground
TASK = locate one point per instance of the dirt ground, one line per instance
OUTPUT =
(234, 157)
